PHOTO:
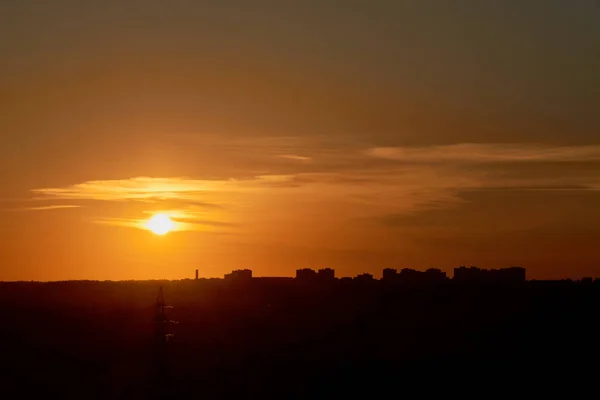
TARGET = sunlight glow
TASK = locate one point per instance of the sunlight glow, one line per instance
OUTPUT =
(160, 224)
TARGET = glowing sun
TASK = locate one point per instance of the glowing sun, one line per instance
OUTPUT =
(160, 224)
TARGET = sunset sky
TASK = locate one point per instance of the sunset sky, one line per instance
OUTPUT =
(278, 135)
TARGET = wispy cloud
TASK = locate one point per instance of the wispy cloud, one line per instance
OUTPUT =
(193, 217)
(294, 157)
(406, 187)
(153, 189)
(178, 226)
(53, 207)
(141, 188)
(194, 205)
(422, 178)
(487, 153)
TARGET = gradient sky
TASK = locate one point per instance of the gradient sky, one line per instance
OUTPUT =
(287, 134)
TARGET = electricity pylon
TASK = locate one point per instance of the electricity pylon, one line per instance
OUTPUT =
(162, 322)
(161, 340)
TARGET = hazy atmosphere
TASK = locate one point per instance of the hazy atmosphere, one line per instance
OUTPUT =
(278, 135)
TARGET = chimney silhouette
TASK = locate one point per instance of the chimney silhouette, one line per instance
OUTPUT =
(196, 274)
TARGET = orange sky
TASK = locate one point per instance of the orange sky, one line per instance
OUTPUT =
(388, 135)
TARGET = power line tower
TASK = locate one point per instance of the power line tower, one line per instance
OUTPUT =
(162, 322)
(162, 338)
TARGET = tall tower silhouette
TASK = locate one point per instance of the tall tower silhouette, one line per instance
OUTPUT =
(161, 349)
(161, 320)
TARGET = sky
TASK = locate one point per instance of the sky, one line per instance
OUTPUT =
(298, 134)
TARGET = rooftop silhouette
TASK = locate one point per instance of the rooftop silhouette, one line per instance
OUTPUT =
(392, 276)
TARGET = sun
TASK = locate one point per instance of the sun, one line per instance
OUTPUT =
(160, 224)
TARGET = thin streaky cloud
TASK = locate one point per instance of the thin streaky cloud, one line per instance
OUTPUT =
(535, 189)
(54, 207)
(156, 189)
(488, 153)
(294, 157)
(405, 186)
(191, 216)
(194, 221)
(422, 178)
(179, 226)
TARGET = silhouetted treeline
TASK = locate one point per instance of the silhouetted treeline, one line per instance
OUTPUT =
(283, 338)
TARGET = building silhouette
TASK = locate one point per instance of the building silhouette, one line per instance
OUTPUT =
(435, 275)
(326, 274)
(512, 274)
(306, 275)
(239, 275)
(474, 274)
(390, 275)
(406, 276)
(364, 278)
(411, 276)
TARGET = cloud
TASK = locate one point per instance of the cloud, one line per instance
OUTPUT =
(178, 226)
(123, 222)
(155, 189)
(192, 216)
(487, 153)
(359, 185)
(295, 157)
(408, 187)
(54, 207)
(404, 188)
(141, 188)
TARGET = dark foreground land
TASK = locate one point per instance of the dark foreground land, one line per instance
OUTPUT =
(281, 339)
